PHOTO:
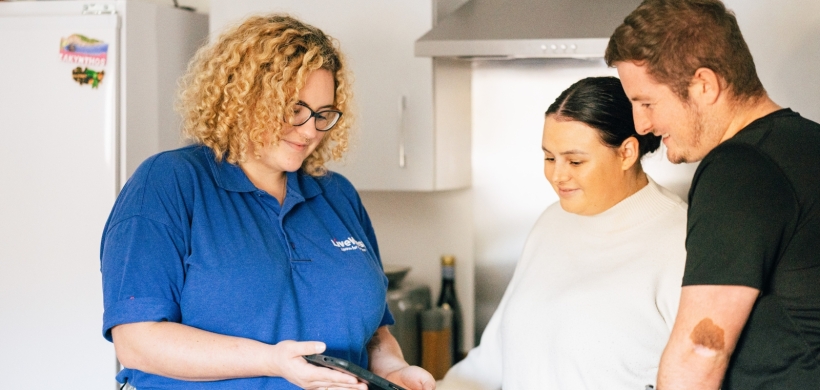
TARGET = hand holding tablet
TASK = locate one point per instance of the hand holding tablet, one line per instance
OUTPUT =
(373, 381)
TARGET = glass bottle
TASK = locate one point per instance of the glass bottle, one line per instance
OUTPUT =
(447, 300)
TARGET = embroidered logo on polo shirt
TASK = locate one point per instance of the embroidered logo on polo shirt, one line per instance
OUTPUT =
(349, 244)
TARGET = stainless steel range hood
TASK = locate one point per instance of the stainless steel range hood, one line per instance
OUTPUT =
(526, 29)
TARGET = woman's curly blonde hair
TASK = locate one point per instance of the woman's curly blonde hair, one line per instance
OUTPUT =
(242, 88)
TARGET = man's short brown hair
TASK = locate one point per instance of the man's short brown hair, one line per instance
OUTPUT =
(674, 38)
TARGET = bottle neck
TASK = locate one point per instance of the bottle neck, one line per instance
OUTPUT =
(448, 273)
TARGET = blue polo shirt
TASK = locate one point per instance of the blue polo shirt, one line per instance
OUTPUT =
(193, 241)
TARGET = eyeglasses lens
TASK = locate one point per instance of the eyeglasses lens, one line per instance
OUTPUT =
(325, 120)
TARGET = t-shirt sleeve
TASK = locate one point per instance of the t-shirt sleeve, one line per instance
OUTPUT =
(142, 250)
(740, 206)
(142, 273)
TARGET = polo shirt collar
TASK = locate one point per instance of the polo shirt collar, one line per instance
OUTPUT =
(300, 188)
(231, 177)
(303, 184)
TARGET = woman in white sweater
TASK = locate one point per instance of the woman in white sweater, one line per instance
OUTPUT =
(595, 293)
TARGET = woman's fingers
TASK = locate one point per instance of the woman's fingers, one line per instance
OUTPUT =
(289, 358)
(325, 377)
(302, 347)
(335, 386)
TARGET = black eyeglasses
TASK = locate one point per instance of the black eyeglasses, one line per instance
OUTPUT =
(325, 119)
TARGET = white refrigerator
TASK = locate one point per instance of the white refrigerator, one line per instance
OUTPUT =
(86, 94)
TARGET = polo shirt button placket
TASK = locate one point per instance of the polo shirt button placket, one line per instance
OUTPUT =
(288, 243)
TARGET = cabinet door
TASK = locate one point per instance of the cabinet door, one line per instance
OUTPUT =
(393, 145)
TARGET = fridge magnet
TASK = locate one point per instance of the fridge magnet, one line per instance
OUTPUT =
(85, 76)
(83, 50)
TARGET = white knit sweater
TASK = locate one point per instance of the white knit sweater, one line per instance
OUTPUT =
(591, 303)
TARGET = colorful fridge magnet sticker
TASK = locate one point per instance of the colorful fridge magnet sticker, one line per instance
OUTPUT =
(79, 49)
(88, 76)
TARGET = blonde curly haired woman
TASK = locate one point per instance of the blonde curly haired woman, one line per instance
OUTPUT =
(226, 261)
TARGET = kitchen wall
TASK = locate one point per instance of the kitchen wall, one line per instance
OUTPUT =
(784, 37)
(416, 228)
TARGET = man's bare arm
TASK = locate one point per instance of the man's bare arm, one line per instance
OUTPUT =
(708, 325)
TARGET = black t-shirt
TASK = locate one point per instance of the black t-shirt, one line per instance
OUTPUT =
(754, 220)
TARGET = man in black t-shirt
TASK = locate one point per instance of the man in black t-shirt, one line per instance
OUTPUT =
(749, 315)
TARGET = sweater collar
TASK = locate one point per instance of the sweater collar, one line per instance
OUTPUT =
(642, 206)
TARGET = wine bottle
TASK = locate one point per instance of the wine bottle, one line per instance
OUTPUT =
(447, 300)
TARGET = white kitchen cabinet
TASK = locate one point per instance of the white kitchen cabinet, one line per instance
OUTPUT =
(398, 142)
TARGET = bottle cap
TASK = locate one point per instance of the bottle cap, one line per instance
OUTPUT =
(448, 260)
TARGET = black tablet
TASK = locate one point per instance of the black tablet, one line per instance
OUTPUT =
(374, 382)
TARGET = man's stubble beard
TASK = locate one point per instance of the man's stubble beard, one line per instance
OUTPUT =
(703, 130)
